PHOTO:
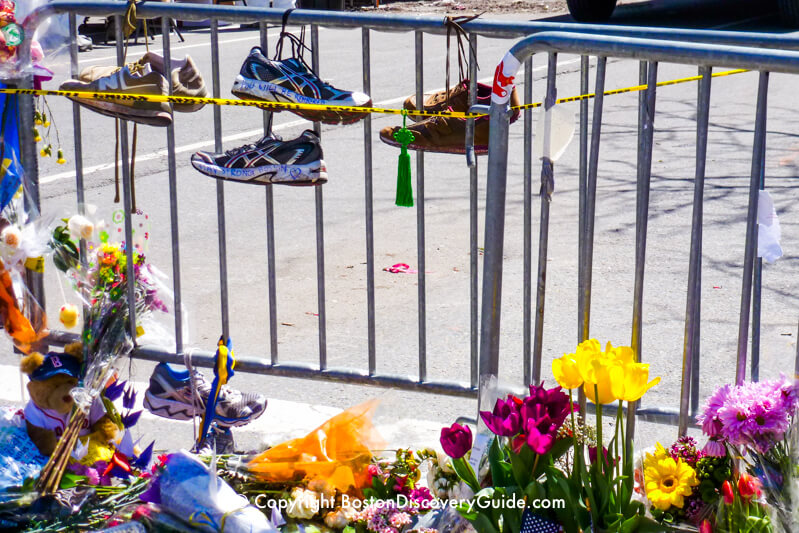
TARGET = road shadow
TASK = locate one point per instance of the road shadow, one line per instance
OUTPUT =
(747, 15)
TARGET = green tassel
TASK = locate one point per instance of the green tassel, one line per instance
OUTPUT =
(405, 137)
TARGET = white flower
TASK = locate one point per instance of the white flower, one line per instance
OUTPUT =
(303, 504)
(80, 227)
(11, 237)
(81, 449)
(340, 518)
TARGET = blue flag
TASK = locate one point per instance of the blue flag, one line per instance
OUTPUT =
(10, 167)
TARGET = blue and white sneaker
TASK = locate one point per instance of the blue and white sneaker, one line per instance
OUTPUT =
(170, 395)
(270, 161)
(290, 80)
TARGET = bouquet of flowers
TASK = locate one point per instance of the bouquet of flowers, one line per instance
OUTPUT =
(111, 281)
(754, 426)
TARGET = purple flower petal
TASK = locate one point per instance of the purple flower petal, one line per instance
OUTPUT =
(129, 399)
(129, 420)
(144, 458)
(114, 391)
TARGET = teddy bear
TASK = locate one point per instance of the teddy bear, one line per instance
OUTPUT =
(52, 377)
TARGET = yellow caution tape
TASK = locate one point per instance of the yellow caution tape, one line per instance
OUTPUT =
(279, 106)
(35, 264)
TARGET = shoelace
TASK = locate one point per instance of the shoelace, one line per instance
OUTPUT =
(249, 147)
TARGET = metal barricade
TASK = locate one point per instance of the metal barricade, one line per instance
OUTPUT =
(487, 364)
(652, 52)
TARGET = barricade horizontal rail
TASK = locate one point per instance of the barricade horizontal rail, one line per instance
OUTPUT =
(591, 40)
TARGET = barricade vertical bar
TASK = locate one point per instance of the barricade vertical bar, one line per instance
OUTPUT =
(76, 124)
(758, 148)
(493, 245)
(263, 33)
(696, 360)
(270, 232)
(527, 235)
(583, 176)
(646, 126)
(547, 187)
(590, 207)
(32, 198)
(694, 266)
(320, 227)
(369, 201)
(126, 196)
(420, 234)
(757, 289)
(473, 206)
(220, 186)
(796, 360)
(173, 197)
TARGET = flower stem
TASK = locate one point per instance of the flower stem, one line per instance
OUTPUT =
(599, 446)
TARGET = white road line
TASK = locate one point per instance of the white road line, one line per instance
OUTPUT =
(236, 137)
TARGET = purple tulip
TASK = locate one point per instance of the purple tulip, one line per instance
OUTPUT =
(554, 400)
(456, 440)
(592, 455)
(539, 441)
(505, 420)
(114, 390)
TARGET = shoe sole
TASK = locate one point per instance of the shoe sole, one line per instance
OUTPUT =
(248, 89)
(461, 149)
(295, 175)
(112, 109)
(175, 410)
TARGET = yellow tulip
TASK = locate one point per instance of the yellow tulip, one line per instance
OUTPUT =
(621, 354)
(630, 382)
(598, 387)
(587, 351)
(566, 372)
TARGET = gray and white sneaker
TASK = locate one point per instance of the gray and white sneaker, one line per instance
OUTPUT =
(170, 396)
(271, 160)
(221, 438)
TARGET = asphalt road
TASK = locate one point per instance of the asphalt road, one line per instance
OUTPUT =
(447, 223)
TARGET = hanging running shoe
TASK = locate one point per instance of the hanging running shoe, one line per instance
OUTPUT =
(291, 80)
(132, 79)
(458, 100)
(269, 161)
(185, 76)
(448, 134)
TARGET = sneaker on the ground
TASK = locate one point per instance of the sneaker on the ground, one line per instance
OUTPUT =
(442, 134)
(290, 80)
(269, 161)
(131, 79)
(458, 100)
(185, 76)
(219, 438)
(170, 396)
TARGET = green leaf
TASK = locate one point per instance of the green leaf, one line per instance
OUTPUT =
(522, 470)
(465, 473)
(70, 479)
(501, 472)
(483, 524)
